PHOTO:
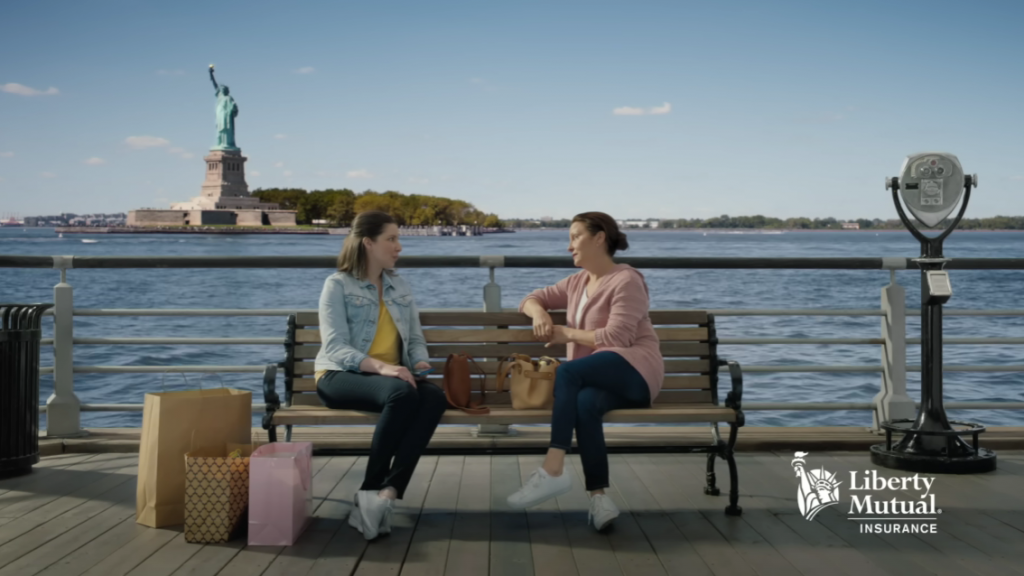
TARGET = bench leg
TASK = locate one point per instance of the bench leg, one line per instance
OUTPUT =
(733, 509)
(288, 433)
(711, 489)
(272, 434)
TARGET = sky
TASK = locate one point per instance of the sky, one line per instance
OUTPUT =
(641, 109)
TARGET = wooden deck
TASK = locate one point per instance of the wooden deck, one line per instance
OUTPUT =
(75, 515)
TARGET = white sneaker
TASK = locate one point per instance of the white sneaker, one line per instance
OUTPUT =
(369, 514)
(602, 512)
(539, 487)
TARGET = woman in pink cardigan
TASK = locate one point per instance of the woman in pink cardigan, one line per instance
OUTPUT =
(614, 360)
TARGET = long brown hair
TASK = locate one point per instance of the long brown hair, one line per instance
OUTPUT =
(369, 224)
(595, 222)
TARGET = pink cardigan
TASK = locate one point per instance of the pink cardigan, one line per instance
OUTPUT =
(617, 312)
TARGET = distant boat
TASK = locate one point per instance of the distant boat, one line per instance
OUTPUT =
(89, 241)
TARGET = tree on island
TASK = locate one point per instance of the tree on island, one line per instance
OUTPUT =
(339, 207)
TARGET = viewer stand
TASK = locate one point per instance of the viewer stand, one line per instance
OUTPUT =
(930, 443)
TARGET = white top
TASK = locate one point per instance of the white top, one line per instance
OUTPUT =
(579, 310)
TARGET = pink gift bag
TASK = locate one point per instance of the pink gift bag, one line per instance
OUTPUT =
(280, 493)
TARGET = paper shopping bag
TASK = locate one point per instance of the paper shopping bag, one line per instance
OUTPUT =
(280, 493)
(216, 492)
(172, 424)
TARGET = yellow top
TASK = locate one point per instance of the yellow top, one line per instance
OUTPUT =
(385, 346)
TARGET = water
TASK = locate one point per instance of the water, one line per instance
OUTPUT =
(459, 288)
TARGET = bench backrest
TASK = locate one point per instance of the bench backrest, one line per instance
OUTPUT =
(688, 345)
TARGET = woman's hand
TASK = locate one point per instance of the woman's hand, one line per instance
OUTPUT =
(559, 335)
(421, 366)
(543, 327)
(400, 372)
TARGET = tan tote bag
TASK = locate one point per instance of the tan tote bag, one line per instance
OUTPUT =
(172, 422)
(531, 382)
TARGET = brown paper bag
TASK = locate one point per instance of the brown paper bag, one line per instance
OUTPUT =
(170, 421)
(216, 492)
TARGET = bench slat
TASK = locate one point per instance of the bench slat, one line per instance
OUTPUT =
(670, 383)
(503, 399)
(668, 317)
(668, 413)
(490, 367)
(668, 350)
(497, 335)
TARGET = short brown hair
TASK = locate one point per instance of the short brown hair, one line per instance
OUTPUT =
(601, 222)
(369, 224)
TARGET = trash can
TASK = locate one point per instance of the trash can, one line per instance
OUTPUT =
(20, 334)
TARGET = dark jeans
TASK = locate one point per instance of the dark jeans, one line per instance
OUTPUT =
(585, 390)
(408, 418)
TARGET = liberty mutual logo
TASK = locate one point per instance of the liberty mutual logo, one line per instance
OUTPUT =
(875, 500)
(818, 489)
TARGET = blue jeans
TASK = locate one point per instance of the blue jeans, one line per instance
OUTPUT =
(585, 390)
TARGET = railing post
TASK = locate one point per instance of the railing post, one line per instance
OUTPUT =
(63, 410)
(492, 303)
(892, 402)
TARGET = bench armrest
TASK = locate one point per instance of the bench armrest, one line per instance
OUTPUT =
(270, 396)
(734, 399)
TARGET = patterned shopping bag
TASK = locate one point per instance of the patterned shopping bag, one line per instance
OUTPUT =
(216, 492)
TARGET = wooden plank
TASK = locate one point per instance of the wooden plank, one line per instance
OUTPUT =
(297, 560)
(713, 548)
(49, 543)
(346, 546)
(510, 335)
(503, 399)
(964, 535)
(632, 549)
(677, 555)
(28, 492)
(664, 413)
(510, 532)
(98, 551)
(428, 551)
(160, 553)
(35, 510)
(44, 469)
(760, 539)
(591, 550)
(535, 350)
(470, 539)
(386, 554)
(548, 539)
(211, 559)
(467, 318)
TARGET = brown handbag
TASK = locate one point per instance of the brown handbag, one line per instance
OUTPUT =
(458, 386)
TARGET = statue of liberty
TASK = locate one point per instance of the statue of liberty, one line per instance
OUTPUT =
(226, 110)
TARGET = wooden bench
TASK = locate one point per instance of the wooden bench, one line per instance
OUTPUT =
(690, 392)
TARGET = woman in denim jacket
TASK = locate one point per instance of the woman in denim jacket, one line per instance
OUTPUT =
(372, 348)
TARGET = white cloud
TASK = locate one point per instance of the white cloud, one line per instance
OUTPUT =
(22, 90)
(633, 111)
(6, 154)
(140, 142)
(320, 173)
(287, 172)
(280, 136)
(359, 174)
(305, 70)
(418, 180)
(180, 152)
(628, 111)
(255, 173)
(663, 109)
(48, 175)
(187, 155)
(94, 161)
(279, 165)
(171, 72)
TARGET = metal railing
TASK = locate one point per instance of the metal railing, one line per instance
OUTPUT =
(63, 408)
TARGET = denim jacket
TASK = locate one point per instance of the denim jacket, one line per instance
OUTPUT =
(349, 309)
